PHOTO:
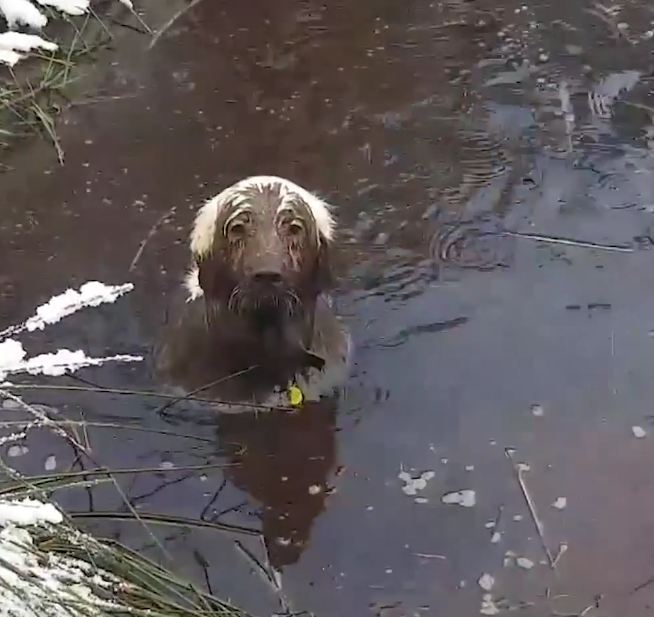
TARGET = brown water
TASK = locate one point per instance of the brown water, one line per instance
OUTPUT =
(432, 128)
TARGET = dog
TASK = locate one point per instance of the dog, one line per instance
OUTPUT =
(257, 317)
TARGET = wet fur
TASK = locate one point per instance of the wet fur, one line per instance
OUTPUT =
(257, 338)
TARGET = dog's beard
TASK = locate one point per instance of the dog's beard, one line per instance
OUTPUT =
(264, 305)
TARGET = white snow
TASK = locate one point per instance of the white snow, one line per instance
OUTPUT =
(9, 57)
(72, 7)
(22, 12)
(638, 432)
(465, 498)
(11, 43)
(17, 450)
(486, 582)
(11, 354)
(61, 362)
(413, 485)
(13, 358)
(28, 512)
(560, 503)
(524, 563)
(488, 606)
(50, 463)
(70, 301)
(33, 583)
(19, 41)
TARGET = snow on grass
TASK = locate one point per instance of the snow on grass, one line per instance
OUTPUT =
(56, 586)
(71, 7)
(22, 12)
(11, 354)
(70, 301)
(26, 13)
(11, 43)
(28, 512)
(61, 362)
(13, 357)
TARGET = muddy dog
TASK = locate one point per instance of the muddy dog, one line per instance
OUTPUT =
(257, 317)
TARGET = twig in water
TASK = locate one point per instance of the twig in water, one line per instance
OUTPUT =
(498, 520)
(49, 126)
(642, 585)
(171, 22)
(46, 479)
(160, 519)
(42, 418)
(173, 397)
(153, 230)
(204, 387)
(430, 556)
(267, 576)
(132, 10)
(517, 470)
(563, 548)
(619, 248)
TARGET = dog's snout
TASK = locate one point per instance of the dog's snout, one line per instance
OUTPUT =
(268, 277)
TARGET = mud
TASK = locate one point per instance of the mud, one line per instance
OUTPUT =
(434, 129)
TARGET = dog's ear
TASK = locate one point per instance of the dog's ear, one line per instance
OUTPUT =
(324, 277)
(205, 279)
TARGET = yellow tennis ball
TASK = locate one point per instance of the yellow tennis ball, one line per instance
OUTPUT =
(295, 396)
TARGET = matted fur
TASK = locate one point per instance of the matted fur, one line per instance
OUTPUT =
(204, 228)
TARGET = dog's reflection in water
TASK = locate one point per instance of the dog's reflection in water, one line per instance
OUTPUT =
(285, 461)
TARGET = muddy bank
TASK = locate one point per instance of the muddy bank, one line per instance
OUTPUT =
(432, 129)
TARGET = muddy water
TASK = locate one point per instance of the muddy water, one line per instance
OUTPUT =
(434, 128)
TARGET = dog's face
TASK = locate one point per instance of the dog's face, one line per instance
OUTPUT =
(265, 248)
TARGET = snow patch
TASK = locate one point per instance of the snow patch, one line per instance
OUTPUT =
(22, 12)
(413, 485)
(11, 43)
(28, 512)
(486, 582)
(524, 563)
(71, 7)
(560, 503)
(92, 293)
(466, 498)
(488, 606)
(638, 432)
(61, 362)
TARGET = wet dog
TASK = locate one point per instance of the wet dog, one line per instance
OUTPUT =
(257, 316)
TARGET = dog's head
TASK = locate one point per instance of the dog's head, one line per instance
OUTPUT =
(261, 247)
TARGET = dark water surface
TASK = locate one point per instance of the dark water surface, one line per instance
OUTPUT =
(433, 128)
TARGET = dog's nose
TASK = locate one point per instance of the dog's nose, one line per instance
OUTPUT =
(268, 277)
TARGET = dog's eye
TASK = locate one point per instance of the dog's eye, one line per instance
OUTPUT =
(295, 229)
(236, 231)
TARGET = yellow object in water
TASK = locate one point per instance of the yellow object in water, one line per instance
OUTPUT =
(295, 396)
